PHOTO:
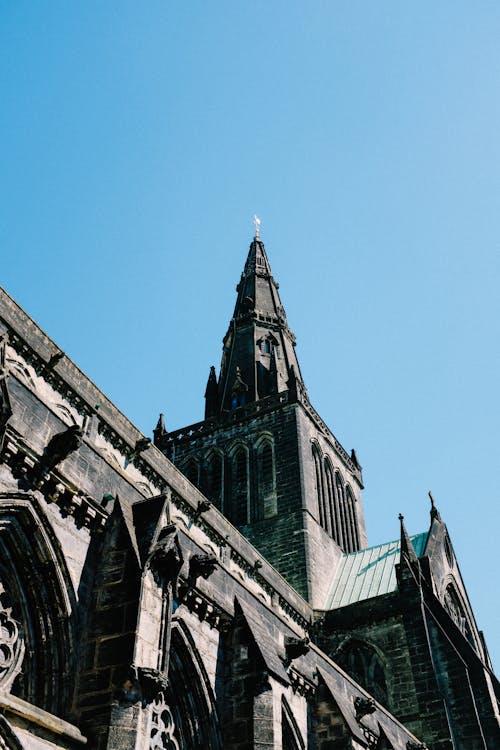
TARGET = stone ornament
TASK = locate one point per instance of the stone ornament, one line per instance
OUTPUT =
(162, 726)
(11, 645)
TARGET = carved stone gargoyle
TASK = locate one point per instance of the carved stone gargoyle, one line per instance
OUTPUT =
(166, 558)
(141, 684)
(364, 706)
(202, 566)
(60, 446)
(152, 682)
(295, 647)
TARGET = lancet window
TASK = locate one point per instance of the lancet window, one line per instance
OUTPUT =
(353, 520)
(363, 663)
(192, 471)
(266, 480)
(239, 487)
(320, 487)
(215, 476)
(331, 509)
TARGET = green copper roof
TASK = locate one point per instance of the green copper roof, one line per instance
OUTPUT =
(369, 572)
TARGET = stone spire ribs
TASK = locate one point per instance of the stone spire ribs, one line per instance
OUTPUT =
(258, 357)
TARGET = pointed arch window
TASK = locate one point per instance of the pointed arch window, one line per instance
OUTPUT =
(362, 662)
(320, 486)
(339, 491)
(192, 471)
(184, 716)
(215, 479)
(353, 518)
(455, 609)
(266, 475)
(330, 500)
(291, 738)
(239, 487)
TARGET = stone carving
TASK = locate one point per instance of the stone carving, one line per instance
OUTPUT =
(202, 565)
(141, 685)
(162, 735)
(61, 446)
(11, 646)
(364, 706)
(152, 682)
(166, 558)
(296, 647)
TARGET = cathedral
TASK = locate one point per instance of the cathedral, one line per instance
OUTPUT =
(213, 587)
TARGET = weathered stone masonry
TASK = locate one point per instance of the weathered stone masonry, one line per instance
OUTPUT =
(135, 615)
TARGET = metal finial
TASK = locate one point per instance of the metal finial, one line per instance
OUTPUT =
(401, 517)
(256, 223)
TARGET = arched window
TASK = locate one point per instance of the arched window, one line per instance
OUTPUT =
(291, 738)
(266, 480)
(192, 471)
(455, 609)
(239, 487)
(330, 500)
(215, 479)
(339, 489)
(364, 664)
(353, 519)
(184, 716)
(320, 488)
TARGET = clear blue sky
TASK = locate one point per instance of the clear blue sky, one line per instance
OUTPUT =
(138, 139)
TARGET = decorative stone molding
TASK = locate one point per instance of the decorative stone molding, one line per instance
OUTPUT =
(301, 686)
(206, 610)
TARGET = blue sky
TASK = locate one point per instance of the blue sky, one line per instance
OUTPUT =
(137, 141)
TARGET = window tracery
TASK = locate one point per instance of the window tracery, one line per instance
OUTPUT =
(162, 735)
(11, 645)
(363, 663)
(457, 613)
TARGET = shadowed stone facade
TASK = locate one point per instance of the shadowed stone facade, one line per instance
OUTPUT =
(229, 602)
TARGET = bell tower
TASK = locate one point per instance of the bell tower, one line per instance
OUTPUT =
(262, 454)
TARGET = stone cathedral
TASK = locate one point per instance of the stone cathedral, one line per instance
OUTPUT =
(213, 587)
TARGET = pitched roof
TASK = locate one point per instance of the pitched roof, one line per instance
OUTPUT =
(369, 572)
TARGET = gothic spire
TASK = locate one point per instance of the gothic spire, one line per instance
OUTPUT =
(259, 347)
(211, 394)
(159, 431)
